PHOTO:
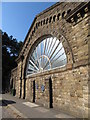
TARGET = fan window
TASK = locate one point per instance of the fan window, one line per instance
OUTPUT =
(48, 54)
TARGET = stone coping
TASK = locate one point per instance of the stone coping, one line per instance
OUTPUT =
(54, 70)
(58, 70)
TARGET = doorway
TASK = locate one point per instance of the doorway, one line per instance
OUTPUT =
(34, 91)
(50, 93)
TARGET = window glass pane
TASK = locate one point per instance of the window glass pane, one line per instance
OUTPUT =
(47, 55)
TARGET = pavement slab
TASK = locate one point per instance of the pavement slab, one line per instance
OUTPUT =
(30, 104)
(26, 109)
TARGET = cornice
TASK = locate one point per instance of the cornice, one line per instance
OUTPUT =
(78, 13)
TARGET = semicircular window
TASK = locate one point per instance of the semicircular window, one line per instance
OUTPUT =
(47, 54)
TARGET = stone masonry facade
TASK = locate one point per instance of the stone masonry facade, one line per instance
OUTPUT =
(70, 84)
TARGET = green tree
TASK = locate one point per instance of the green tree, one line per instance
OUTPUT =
(10, 51)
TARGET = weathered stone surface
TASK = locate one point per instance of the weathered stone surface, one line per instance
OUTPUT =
(70, 84)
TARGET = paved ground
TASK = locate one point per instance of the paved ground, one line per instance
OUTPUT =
(19, 108)
(6, 113)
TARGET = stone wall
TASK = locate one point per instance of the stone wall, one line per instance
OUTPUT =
(13, 78)
(70, 90)
(69, 22)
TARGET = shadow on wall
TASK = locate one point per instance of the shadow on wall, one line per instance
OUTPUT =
(6, 102)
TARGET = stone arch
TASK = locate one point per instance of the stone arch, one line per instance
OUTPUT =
(67, 48)
(64, 41)
(66, 45)
(39, 39)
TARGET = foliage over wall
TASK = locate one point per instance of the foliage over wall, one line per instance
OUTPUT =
(10, 51)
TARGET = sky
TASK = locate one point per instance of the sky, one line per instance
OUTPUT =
(17, 17)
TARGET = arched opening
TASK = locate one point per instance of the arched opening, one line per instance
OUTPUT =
(46, 55)
(68, 11)
(50, 19)
(63, 14)
(54, 18)
(47, 21)
(58, 16)
(43, 21)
